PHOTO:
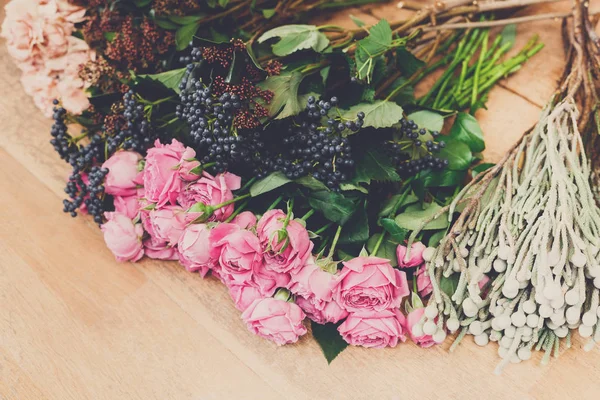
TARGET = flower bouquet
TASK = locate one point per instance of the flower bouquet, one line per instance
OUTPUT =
(293, 162)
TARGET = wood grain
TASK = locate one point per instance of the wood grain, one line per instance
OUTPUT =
(75, 324)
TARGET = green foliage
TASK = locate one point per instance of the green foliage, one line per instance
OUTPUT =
(286, 100)
(427, 119)
(334, 206)
(445, 178)
(509, 36)
(356, 230)
(273, 181)
(413, 219)
(185, 34)
(449, 285)
(311, 183)
(294, 38)
(407, 62)
(397, 233)
(375, 165)
(329, 339)
(387, 249)
(379, 114)
(458, 154)
(169, 79)
(371, 47)
(466, 129)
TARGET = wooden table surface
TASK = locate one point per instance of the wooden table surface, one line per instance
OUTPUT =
(75, 324)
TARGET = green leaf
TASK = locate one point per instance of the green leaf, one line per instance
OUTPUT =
(343, 256)
(371, 47)
(357, 21)
(445, 178)
(458, 155)
(389, 204)
(334, 206)
(294, 38)
(330, 340)
(448, 285)
(436, 238)
(268, 12)
(185, 20)
(396, 232)
(285, 102)
(375, 165)
(349, 186)
(311, 183)
(480, 168)
(407, 62)
(110, 36)
(166, 24)
(509, 36)
(184, 35)
(273, 181)
(387, 249)
(223, 3)
(413, 219)
(379, 114)
(466, 129)
(428, 120)
(141, 3)
(325, 74)
(356, 231)
(169, 79)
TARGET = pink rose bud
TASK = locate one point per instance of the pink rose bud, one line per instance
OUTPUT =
(128, 205)
(122, 172)
(168, 223)
(159, 250)
(413, 318)
(245, 220)
(244, 295)
(211, 191)
(123, 237)
(276, 320)
(286, 248)
(190, 168)
(162, 183)
(375, 329)
(194, 249)
(370, 284)
(238, 253)
(424, 286)
(414, 258)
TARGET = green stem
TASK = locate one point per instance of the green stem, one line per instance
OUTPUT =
(277, 200)
(323, 228)
(237, 211)
(335, 240)
(482, 56)
(402, 198)
(247, 184)
(307, 215)
(288, 216)
(378, 244)
(228, 202)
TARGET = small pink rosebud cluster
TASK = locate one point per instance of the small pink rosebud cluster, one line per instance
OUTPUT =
(39, 37)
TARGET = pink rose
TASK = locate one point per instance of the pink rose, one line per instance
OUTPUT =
(161, 178)
(276, 320)
(245, 220)
(321, 311)
(314, 289)
(123, 237)
(128, 205)
(424, 286)
(189, 169)
(413, 319)
(416, 255)
(370, 284)
(159, 250)
(168, 223)
(194, 249)
(122, 173)
(23, 29)
(211, 191)
(286, 248)
(244, 295)
(237, 252)
(374, 329)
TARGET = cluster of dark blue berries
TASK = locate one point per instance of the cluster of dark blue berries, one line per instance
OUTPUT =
(210, 120)
(413, 152)
(127, 129)
(316, 145)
